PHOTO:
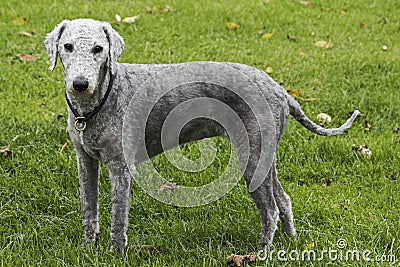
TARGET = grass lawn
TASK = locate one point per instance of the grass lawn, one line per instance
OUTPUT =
(357, 67)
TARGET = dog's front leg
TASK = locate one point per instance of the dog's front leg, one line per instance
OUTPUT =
(120, 197)
(88, 171)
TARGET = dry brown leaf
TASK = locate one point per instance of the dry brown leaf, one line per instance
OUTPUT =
(327, 182)
(232, 26)
(159, 9)
(168, 185)
(269, 70)
(25, 57)
(130, 19)
(19, 21)
(292, 37)
(367, 126)
(65, 145)
(363, 150)
(27, 34)
(238, 260)
(343, 13)
(118, 18)
(339, 205)
(6, 151)
(323, 44)
(266, 36)
(390, 236)
(306, 3)
(294, 93)
(323, 119)
(310, 246)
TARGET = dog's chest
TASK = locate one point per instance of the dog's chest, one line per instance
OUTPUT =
(97, 140)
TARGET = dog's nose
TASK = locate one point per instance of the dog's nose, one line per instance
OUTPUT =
(80, 84)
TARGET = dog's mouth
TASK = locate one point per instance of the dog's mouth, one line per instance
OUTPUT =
(80, 93)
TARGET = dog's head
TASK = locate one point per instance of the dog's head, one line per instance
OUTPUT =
(87, 50)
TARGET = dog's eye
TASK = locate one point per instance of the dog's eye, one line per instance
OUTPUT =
(97, 49)
(69, 47)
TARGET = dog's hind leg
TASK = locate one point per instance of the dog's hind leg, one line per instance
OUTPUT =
(284, 204)
(264, 199)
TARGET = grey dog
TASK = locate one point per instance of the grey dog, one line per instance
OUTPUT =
(98, 92)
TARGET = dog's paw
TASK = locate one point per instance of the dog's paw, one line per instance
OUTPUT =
(89, 238)
(117, 248)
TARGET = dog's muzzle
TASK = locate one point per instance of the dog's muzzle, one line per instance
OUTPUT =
(80, 84)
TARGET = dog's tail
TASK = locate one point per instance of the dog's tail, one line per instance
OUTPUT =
(298, 114)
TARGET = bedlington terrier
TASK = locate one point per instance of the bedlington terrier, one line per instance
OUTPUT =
(99, 92)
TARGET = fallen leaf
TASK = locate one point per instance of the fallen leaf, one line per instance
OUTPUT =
(159, 9)
(294, 93)
(292, 37)
(343, 13)
(396, 141)
(269, 70)
(323, 119)
(25, 57)
(396, 130)
(306, 3)
(363, 24)
(323, 44)
(6, 151)
(327, 182)
(393, 176)
(310, 246)
(363, 150)
(384, 20)
(266, 36)
(118, 18)
(131, 19)
(168, 185)
(339, 205)
(65, 145)
(390, 236)
(27, 34)
(19, 21)
(367, 126)
(149, 248)
(232, 26)
(238, 260)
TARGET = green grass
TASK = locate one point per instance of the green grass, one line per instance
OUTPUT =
(40, 221)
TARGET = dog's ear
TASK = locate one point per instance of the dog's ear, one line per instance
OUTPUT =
(51, 43)
(116, 43)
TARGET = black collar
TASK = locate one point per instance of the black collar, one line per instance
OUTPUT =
(80, 120)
